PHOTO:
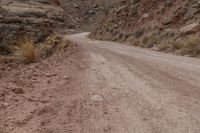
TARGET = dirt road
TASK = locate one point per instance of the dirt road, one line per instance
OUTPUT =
(136, 90)
(103, 87)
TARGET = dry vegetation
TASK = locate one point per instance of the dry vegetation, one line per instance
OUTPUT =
(25, 50)
(185, 45)
(164, 45)
(22, 49)
(53, 44)
(191, 46)
(148, 42)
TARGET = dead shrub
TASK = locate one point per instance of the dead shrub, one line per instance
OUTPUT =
(164, 45)
(149, 42)
(191, 46)
(176, 45)
(25, 50)
(133, 41)
(53, 44)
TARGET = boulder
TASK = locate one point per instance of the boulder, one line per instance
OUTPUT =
(146, 15)
(18, 90)
(190, 29)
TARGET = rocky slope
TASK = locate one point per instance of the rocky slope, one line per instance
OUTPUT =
(149, 22)
(85, 13)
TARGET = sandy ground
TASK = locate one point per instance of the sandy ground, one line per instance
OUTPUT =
(102, 87)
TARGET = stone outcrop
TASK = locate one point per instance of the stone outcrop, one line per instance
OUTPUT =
(37, 18)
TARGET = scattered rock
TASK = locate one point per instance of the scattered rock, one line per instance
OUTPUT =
(51, 74)
(49, 81)
(18, 90)
(4, 105)
(35, 74)
(1, 16)
(155, 48)
(75, 5)
(66, 77)
(91, 12)
(146, 15)
(96, 98)
(168, 3)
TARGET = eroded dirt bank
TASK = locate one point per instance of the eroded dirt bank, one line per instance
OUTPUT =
(102, 87)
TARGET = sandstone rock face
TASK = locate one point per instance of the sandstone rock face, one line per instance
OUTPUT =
(36, 17)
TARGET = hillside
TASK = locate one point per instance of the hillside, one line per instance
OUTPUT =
(85, 13)
(160, 25)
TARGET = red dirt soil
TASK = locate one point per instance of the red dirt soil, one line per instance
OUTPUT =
(39, 98)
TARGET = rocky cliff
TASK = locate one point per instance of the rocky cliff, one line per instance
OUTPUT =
(37, 18)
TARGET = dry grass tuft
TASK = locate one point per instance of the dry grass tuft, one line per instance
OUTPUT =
(25, 50)
(191, 46)
(134, 41)
(163, 46)
(176, 45)
(149, 42)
